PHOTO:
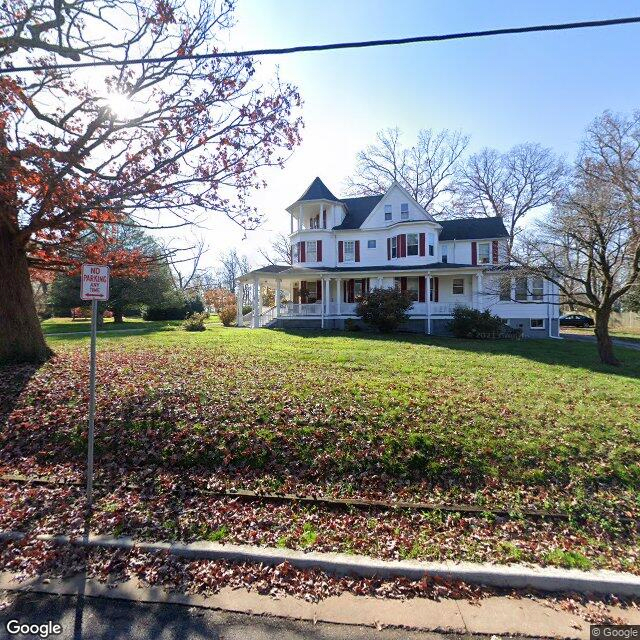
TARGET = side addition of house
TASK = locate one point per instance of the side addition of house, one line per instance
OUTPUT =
(343, 247)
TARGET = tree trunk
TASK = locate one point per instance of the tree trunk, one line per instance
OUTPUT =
(605, 346)
(118, 316)
(21, 337)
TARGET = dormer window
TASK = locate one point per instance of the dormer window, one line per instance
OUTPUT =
(404, 211)
(387, 212)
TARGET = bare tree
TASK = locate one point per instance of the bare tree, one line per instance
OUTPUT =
(508, 185)
(590, 244)
(185, 265)
(230, 267)
(425, 170)
(279, 252)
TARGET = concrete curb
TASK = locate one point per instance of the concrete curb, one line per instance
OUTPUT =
(507, 576)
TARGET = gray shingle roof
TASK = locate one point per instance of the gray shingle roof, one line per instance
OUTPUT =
(358, 209)
(317, 190)
(472, 229)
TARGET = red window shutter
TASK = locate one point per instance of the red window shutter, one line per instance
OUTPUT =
(340, 251)
(422, 245)
(421, 289)
(352, 291)
(303, 252)
(345, 288)
(494, 252)
(388, 248)
(319, 289)
(435, 289)
(319, 250)
(357, 243)
(364, 286)
(474, 253)
(324, 219)
(403, 284)
(303, 292)
(403, 245)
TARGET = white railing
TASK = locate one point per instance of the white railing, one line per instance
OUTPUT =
(443, 308)
(298, 310)
(267, 316)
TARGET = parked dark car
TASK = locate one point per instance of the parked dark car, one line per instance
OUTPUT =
(576, 320)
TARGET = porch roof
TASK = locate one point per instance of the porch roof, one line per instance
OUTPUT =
(289, 272)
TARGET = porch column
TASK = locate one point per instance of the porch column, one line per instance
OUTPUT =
(339, 294)
(239, 320)
(299, 217)
(322, 304)
(327, 296)
(255, 318)
(427, 299)
(278, 296)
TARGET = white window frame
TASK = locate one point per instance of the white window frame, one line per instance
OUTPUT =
(432, 244)
(411, 244)
(388, 212)
(404, 211)
(371, 244)
(481, 245)
(444, 253)
(394, 247)
(295, 256)
(453, 286)
(309, 252)
(349, 250)
(542, 327)
(537, 292)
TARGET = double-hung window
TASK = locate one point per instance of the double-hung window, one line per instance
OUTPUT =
(484, 252)
(458, 286)
(444, 252)
(412, 244)
(537, 288)
(521, 289)
(404, 211)
(312, 251)
(394, 247)
(349, 251)
(387, 212)
(432, 244)
(505, 289)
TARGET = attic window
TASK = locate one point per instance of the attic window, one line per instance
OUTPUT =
(404, 211)
(387, 212)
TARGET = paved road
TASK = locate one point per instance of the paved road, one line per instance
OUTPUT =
(617, 342)
(101, 619)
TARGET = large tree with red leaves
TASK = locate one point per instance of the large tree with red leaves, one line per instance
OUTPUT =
(159, 144)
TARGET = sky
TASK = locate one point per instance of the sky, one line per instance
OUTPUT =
(504, 90)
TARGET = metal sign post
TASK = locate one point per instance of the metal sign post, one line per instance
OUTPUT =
(94, 286)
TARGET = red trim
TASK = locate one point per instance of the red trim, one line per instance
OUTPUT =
(435, 289)
(422, 245)
(474, 253)
(403, 283)
(403, 245)
(357, 247)
(319, 250)
(318, 289)
(421, 288)
(388, 248)
(494, 252)
(303, 291)
(341, 252)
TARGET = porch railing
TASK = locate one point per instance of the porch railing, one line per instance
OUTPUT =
(297, 310)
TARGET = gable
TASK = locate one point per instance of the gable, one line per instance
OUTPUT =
(395, 197)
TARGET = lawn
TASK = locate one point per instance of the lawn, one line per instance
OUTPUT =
(514, 425)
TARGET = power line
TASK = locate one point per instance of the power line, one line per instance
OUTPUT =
(338, 45)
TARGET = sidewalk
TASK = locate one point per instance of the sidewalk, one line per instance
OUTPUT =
(499, 615)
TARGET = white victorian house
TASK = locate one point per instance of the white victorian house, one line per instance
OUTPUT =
(343, 247)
